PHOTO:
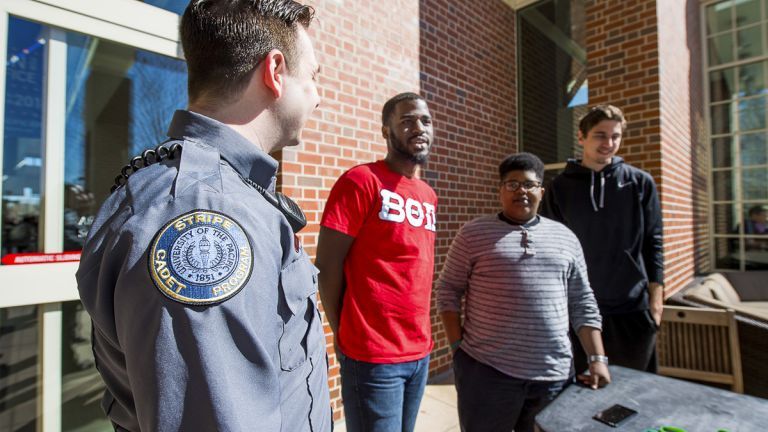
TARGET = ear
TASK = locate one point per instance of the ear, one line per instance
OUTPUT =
(274, 73)
(385, 132)
(581, 138)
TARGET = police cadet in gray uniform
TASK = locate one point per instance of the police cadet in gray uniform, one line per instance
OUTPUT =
(203, 301)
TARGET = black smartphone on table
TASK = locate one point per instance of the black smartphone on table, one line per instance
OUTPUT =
(615, 415)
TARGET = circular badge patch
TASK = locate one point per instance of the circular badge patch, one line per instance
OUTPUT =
(201, 257)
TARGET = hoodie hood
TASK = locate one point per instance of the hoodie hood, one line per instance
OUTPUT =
(575, 168)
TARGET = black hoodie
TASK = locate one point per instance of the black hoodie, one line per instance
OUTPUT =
(616, 215)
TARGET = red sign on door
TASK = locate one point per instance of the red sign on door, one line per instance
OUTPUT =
(40, 258)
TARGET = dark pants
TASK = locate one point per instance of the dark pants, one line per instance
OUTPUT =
(382, 397)
(629, 340)
(492, 401)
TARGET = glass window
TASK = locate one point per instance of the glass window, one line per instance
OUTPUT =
(719, 17)
(755, 183)
(756, 219)
(739, 130)
(726, 217)
(724, 184)
(755, 230)
(19, 375)
(82, 387)
(751, 79)
(722, 122)
(553, 78)
(176, 6)
(723, 152)
(750, 42)
(22, 138)
(753, 149)
(747, 12)
(752, 114)
(721, 49)
(120, 101)
(722, 85)
(727, 253)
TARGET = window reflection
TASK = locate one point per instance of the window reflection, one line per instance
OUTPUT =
(119, 102)
(751, 79)
(22, 138)
(719, 17)
(721, 49)
(738, 123)
(19, 368)
(750, 42)
(723, 152)
(756, 236)
(82, 387)
(753, 149)
(722, 85)
(727, 253)
(554, 89)
(747, 12)
(176, 6)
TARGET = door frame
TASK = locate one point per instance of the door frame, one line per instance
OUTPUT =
(127, 22)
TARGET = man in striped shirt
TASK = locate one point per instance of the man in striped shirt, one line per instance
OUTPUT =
(525, 281)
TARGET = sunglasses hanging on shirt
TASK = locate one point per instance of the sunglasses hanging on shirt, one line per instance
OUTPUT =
(527, 243)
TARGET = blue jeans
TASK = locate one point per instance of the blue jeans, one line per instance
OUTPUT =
(382, 397)
(492, 401)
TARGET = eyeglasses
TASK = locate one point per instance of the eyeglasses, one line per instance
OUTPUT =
(513, 185)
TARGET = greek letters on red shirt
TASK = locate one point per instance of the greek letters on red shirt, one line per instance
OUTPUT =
(395, 209)
(389, 267)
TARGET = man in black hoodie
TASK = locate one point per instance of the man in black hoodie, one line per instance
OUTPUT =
(614, 210)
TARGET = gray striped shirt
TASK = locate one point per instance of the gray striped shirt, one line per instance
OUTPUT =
(518, 303)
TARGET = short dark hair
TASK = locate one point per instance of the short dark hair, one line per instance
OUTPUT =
(756, 210)
(389, 106)
(522, 162)
(598, 113)
(224, 40)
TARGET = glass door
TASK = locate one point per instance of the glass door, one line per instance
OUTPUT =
(84, 88)
(552, 80)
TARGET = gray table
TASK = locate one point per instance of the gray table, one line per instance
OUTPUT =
(659, 401)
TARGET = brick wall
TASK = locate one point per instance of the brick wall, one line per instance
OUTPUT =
(460, 56)
(684, 149)
(468, 75)
(639, 60)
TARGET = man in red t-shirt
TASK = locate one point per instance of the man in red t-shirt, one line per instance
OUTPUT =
(376, 259)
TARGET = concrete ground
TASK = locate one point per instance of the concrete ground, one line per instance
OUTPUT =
(438, 407)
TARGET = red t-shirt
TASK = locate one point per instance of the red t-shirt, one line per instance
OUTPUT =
(389, 267)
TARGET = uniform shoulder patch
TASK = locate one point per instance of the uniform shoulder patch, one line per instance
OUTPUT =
(201, 257)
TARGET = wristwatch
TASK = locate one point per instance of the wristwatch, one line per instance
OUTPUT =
(598, 358)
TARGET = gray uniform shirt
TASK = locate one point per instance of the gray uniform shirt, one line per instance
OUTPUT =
(203, 302)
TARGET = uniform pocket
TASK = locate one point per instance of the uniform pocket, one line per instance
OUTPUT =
(298, 283)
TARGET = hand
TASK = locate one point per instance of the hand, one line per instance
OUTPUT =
(599, 376)
(656, 302)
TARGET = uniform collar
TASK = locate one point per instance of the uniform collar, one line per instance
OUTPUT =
(244, 156)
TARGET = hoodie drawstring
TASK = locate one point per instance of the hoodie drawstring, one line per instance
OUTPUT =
(592, 190)
(602, 189)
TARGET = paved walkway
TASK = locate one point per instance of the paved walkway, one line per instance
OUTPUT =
(438, 407)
